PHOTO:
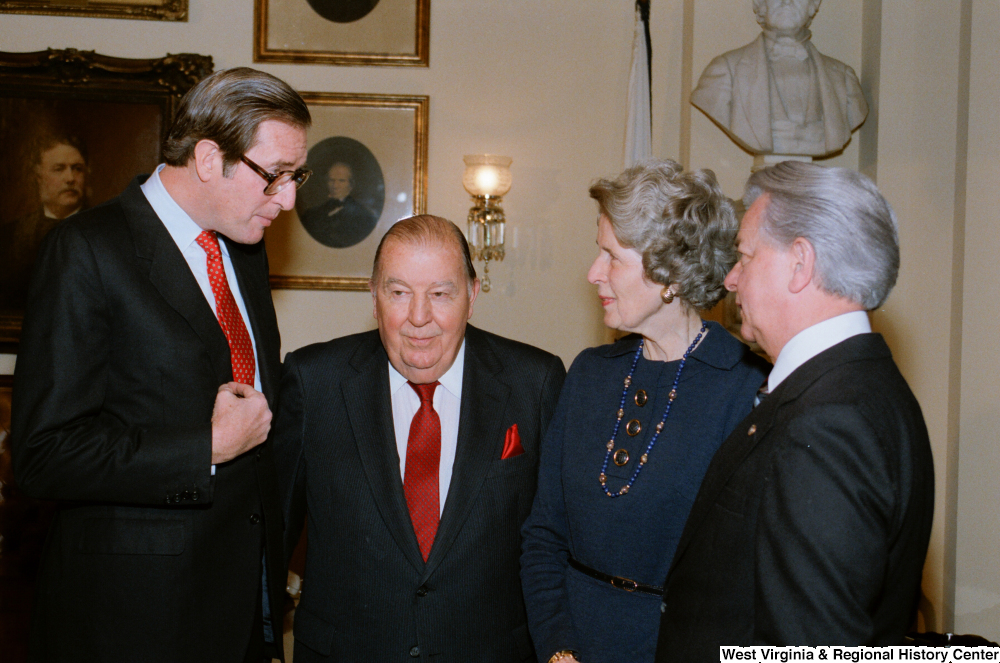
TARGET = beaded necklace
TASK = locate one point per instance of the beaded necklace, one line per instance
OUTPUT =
(603, 478)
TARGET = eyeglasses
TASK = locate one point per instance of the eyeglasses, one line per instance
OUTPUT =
(277, 182)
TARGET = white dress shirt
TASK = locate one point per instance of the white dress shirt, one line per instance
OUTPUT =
(448, 405)
(184, 232)
(813, 340)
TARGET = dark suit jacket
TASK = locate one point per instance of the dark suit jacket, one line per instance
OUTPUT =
(150, 558)
(812, 523)
(367, 593)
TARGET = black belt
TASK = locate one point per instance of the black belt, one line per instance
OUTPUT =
(616, 581)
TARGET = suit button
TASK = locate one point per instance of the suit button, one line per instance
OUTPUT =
(254, 518)
(422, 592)
(752, 429)
(663, 607)
(415, 652)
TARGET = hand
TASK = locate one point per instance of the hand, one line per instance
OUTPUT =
(560, 657)
(240, 421)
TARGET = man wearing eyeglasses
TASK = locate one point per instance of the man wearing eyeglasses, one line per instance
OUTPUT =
(143, 393)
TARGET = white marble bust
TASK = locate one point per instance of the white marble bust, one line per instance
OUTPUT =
(778, 94)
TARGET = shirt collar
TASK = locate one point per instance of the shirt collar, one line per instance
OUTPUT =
(719, 349)
(813, 340)
(451, 380)
(178, 223)
(51, 215)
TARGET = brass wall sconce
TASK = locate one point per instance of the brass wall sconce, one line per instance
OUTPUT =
(487, 179)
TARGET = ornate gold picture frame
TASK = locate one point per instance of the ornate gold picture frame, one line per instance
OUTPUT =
(368, 154)
(109, 114)
(153, 10)
(343, 32)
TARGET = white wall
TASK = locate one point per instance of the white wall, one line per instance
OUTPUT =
(977, 600)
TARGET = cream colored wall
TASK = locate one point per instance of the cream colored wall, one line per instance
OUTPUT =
(544, 82)
(917, 169)
(977, 600)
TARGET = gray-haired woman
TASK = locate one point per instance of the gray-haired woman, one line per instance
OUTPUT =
(638, 421)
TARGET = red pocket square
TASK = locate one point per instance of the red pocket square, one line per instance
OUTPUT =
(512, 444)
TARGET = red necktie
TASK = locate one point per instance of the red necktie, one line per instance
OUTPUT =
(240, 347)
(423, 459)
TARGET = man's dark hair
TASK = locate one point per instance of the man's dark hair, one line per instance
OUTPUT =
(227, 108)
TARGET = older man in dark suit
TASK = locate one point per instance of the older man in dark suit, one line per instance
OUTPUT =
(148, 362)
(812, 523)
(414, 451)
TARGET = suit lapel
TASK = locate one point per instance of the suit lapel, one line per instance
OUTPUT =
(257, 300)
(369, 407)
(480, 440)
(742, 441)
(727, 459)
(171, 276)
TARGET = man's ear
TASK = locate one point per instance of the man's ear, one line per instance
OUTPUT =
(803, 257)
(207, 160)
(472, 297)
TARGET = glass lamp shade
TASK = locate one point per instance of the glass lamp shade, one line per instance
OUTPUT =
(486, 174)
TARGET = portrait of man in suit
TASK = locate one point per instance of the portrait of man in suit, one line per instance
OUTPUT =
(59, 169)
(413, 449)
(143, 389)
(340, 221)
(779, 94)
(812, 523)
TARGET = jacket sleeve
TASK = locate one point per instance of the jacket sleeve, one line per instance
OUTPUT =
(824, 525)
(68, 440)
(545, 548)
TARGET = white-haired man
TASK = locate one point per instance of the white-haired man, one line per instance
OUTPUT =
(812, 523)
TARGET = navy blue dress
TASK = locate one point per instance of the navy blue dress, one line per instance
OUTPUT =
(635, 535)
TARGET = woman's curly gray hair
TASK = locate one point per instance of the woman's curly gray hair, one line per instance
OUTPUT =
(681, 223)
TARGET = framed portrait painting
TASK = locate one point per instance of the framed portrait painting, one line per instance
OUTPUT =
(159, 10)
(368, 154)
(343, 32)
(76, 128)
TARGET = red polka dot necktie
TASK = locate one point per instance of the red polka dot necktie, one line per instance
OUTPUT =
(423, 459)
(240, 347)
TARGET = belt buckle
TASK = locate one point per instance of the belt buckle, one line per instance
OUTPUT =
(624, 583)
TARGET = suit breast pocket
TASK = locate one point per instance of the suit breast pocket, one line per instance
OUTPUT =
(514, 465)
(134, 536)
(732, 501)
